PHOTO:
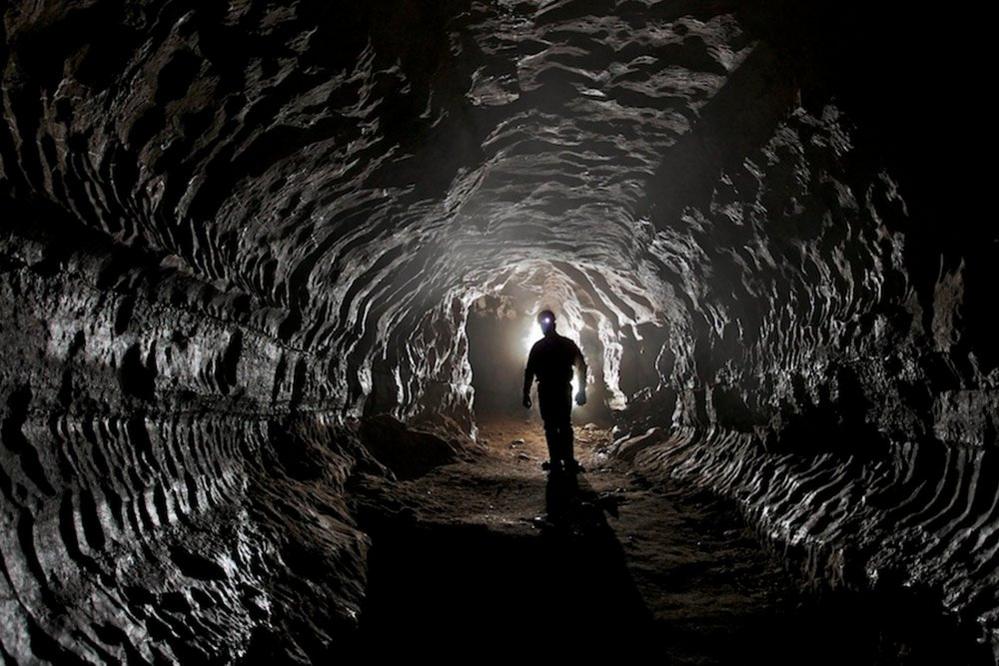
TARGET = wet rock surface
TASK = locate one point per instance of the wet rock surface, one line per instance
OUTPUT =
(240, 243)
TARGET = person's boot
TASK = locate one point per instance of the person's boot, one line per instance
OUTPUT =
(552, 466)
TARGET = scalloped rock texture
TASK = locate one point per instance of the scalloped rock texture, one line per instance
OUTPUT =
(231, 228)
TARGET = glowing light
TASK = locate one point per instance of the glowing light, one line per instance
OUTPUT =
(529, 341)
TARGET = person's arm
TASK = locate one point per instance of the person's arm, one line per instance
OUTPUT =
(581, 369)
(528, 378)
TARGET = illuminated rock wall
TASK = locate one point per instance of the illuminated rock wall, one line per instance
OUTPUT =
(229, 228)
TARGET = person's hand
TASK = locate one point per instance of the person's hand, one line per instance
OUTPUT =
(527, 401)
(581, 397)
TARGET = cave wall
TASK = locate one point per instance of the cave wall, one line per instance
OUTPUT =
(180, 394)
(167, 490)
(834, 371)
(230, 229)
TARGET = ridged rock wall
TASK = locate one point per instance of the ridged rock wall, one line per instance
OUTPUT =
(160, 500)
(230, 228)
(833, 370)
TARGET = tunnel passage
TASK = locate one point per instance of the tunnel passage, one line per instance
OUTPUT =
(496, 357)
(240, 238)
(501, 327)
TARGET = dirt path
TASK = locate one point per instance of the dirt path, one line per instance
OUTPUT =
(493, 555)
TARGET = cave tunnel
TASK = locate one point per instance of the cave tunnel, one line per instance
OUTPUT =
(269, 277)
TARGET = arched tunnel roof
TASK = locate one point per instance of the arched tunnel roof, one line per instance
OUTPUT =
(234, 229)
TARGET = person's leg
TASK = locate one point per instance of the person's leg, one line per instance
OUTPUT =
(569, 451)
(565, 427)
(551, 421)
(552, 435)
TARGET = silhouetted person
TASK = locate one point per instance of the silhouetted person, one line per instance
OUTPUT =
(551, 360)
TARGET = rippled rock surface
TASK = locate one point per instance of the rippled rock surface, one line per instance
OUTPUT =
(232, 229)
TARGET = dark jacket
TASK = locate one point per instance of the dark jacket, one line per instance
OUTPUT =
(551, 360)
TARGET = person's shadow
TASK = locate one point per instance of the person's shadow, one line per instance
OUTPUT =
(586, 564)
(562, 495)
(571, 503)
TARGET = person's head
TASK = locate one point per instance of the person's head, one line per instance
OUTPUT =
(546, 319)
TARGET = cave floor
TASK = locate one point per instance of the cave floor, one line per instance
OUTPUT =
(489, 554)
